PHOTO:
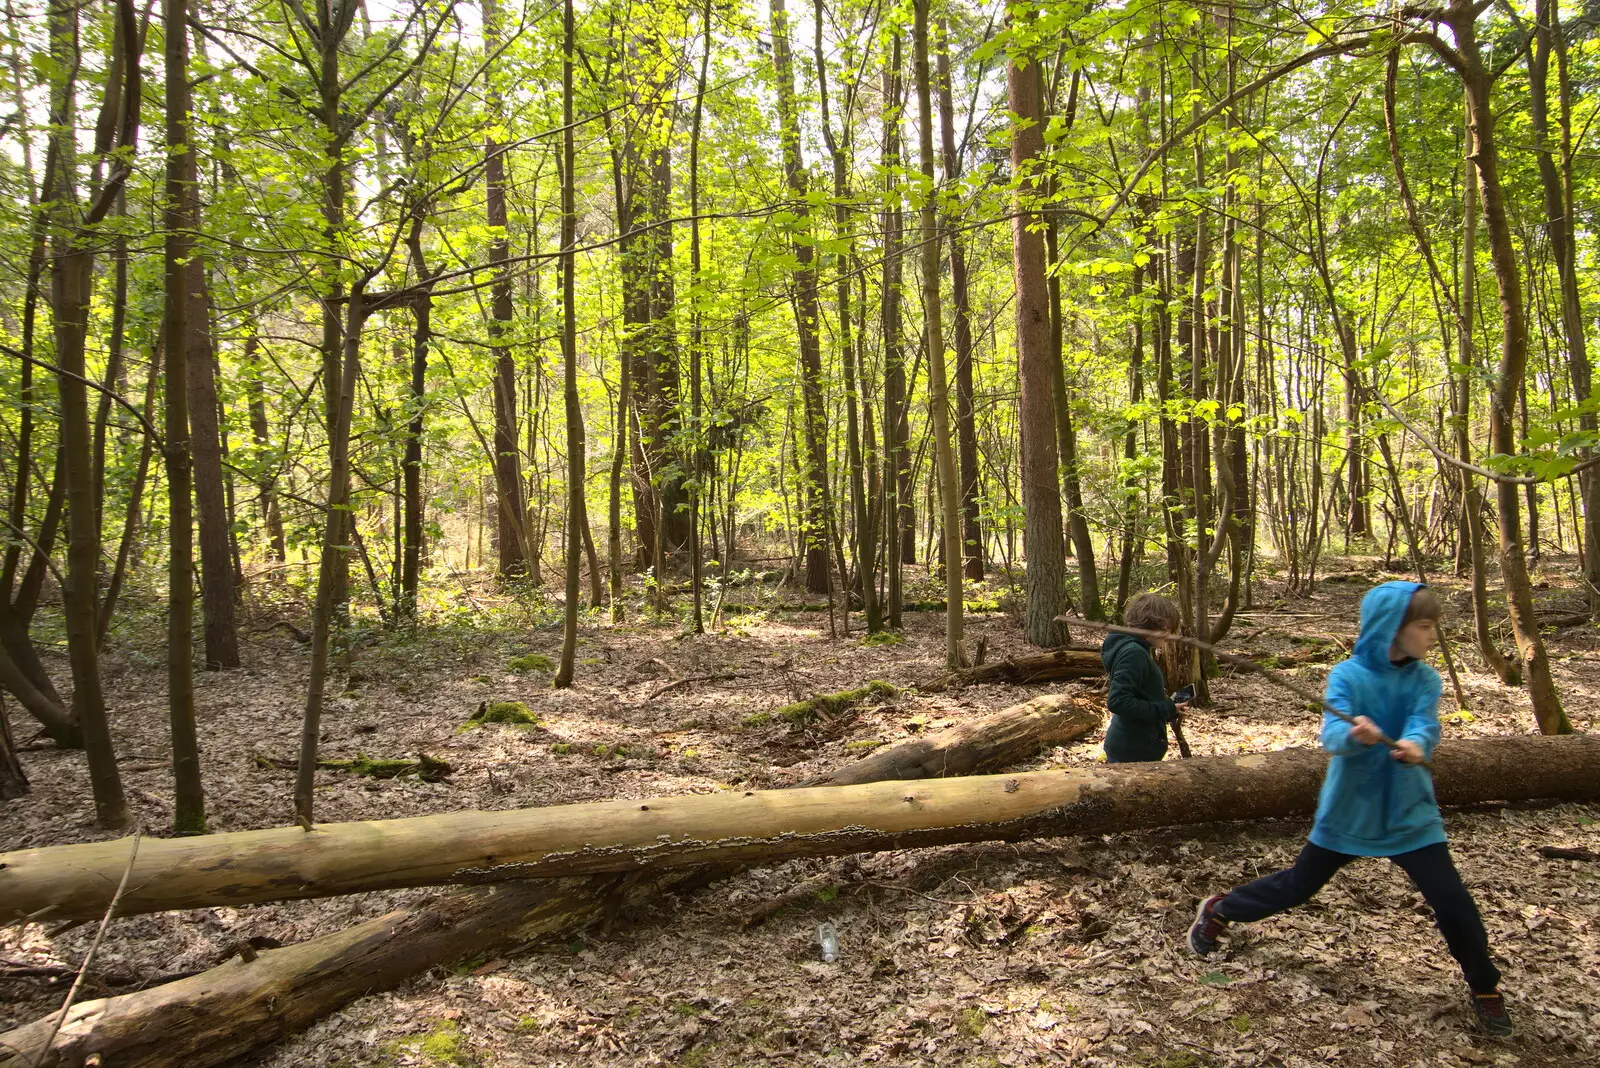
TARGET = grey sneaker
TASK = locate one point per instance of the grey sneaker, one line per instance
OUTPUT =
(1208, 928)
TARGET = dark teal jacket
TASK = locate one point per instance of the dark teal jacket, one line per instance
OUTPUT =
(1136, 693)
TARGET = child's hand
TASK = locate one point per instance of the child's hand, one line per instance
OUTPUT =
(1365, 731)
(1407, 752)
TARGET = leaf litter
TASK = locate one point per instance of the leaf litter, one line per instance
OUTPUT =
(1064, 951)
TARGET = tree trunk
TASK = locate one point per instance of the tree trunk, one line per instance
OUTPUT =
(1080, 541)
(861, 538)
(576, 520)
(261, 435)
(896, 454)
(966, 419)
(1547, 710)
(180, 337)
(1560, 225)
(72, 270)
(1007, 737)
(808, 315)
(511, 509)
(75, 882)
(1040, 460)
(933, 337)
(1054, 666)
(205, 441)
(332, 563)
(13, 780)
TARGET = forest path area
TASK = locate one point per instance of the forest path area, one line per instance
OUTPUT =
(1046, 952)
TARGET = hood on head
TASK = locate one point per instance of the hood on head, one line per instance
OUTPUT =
(1382, 609)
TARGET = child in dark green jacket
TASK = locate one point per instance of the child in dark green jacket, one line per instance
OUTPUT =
(1136, 690)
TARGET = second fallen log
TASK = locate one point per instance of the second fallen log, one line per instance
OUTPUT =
(76, 881)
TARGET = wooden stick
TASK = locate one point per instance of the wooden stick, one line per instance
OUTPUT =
(1237, 661)
(88, 958)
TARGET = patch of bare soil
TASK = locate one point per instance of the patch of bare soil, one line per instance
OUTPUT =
(1064, 951)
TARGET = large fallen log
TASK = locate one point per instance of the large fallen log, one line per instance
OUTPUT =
(996, 741)
(1054, 666)
(740, 827)
(242, 1004)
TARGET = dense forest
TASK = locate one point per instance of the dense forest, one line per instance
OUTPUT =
(338, 319)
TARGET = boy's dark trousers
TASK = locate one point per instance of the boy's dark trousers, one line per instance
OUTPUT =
(1430, 868)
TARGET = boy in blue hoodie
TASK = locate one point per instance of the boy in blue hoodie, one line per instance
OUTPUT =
(1378, 802)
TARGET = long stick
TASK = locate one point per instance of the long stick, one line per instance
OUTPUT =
(1237, 661)
(88, 958)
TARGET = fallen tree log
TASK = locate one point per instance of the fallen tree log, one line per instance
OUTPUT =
(1054, 666)
(242, 1004)
(740, 827)
(996, 741)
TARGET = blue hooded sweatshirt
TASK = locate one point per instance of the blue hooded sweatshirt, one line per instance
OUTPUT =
(1371, 804)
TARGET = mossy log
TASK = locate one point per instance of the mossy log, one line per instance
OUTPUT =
(424, 767)
(75, 882)
(1054, 666)
(219, 1014)
(823, 706)
(1008, 736)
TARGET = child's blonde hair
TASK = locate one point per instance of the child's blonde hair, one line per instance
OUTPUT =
(1151, 611)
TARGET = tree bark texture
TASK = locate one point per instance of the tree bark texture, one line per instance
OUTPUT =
(1007, 737)
(1054, 666)
(740, 827)
(1040, 459)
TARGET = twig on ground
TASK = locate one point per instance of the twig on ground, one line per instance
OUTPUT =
(88, 957)
(715, 676)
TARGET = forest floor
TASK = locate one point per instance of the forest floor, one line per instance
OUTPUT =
(1064, 951)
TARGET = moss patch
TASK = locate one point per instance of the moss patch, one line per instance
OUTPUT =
(522, 665)
(513, 712)
(443, 1043)
(884, 637)
(972, 1021)
(829, 704)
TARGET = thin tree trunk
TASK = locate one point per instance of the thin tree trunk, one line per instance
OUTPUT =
(180, 340)
(261, 435)
(569, 359)
(13, 780)
(933, 336)
(511, 509)
(72, 270)
(818, 507)
(1547, 710)
(966, 421)
(205, 443)
(1560, 225)
(895, 445)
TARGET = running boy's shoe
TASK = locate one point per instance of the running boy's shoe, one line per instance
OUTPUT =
(1491, 1010)
(1207, 928)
